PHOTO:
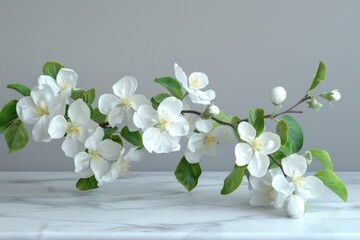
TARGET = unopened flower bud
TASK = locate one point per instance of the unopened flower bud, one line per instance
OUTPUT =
(331, 96)
(314, 104)
(214, 110)
(308, 157)
(278, 95)
(294, 206)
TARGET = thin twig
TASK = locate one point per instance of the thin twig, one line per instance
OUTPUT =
(213, 118)
(279, 164)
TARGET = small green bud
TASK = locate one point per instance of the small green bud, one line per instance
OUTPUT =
(314, 104)
(308, 157)
(331, 96)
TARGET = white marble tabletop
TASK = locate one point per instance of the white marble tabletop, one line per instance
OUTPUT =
(140, 205)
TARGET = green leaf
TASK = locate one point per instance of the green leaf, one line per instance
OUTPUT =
(85, 184)
(134, 138)
(188, 174)
(7, 115)
(97, 116)
(333, 182)
(89, 96)
(157, 99)
(323, 157)
(16, 136)
(282, 130)
(51, 69)
(22, 89)
(286, 149)
(256, 118)
(76, 94)
(172, 85)
(233, 180)
(117, 139)
(319, 77)
(295, 134)
(108, 131)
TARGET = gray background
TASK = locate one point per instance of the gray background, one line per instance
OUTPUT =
(245, 47)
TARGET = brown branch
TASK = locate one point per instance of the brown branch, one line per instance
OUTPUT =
(213, 118)
(279, 164)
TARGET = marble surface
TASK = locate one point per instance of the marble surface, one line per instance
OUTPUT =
(46, 205)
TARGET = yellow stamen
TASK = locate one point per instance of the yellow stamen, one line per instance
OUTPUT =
(257, 144)
(41, 109)
(73, 129)
(209, 141)
(194, 82)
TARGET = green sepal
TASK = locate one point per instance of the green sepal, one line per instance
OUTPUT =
(323, 157)
(20, 88)
(135, 138)
(233, 180)
(158, 98)
(256, 119)
(7, 115)
(172, 85)
(333, 182)
(319, 77)
(86, 184)
(51, 69)
(97, 116)
(16, 136)
(295, 134)
(188, 173)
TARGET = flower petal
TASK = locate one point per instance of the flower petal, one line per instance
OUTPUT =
(112, 174)
(133, 155)
(100, 168)
(26, 110)
(243, 153)
(107, 102)
(168, 143)
(145, 117)
(271, 142)
(42, 95)
(181, 76)
(125, 87)
(109, 150)
(196, 142)
(93, 141)
(72, 146)
(116, 116)
(314, 186)
(79, 112)
(282, 185)
(260, 199)
(40, 130)
(258, 164)
(57, 106)
(193, 157)
(67, 77)
(247, 131)
(57, 127)
(223, 134)
(198, 80)
(294, 164)
(86, 130)
(47, 80)
(178, 127)
(137, 100)
(129, 122)
(82, 161)
(261, 184)
(86, 173)
(151, 139)
(171, 107)
(204, 125)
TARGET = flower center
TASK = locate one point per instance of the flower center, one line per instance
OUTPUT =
(298, 179)
(63, 86)
(194, 82)
(163, 122)
(209, 141)
(257, 144)
(95, 156)
(124, 166)
(125, 103)
(73, 129)
(41, 109)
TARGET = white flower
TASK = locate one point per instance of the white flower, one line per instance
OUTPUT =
(294, 206)
(214, 110)
(39, 108)
(66, 80)
(294, 167)
(278, 95)
(263, 194)
(196, 81)
(331, 96)
(162, 128)
(255, 151)
(96, 161)
(121, 106)
(77, 130)
(314, 104)
(205, 142)
(122, 165)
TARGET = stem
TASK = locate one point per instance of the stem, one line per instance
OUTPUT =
(290, 110)
(213, 118)
(104, 124)
(280, 166)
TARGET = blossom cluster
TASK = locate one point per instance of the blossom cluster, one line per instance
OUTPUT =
(166, 123)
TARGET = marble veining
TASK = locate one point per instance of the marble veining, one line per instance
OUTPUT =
(152, 205)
